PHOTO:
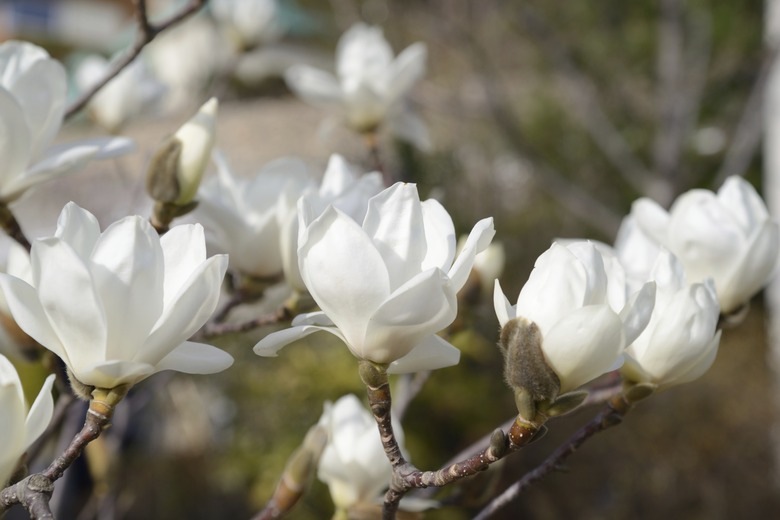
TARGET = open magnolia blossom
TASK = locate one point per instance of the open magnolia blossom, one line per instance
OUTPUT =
(132, 91)
(568, 297)
(19, 427)
(118, 306)
(727, 236)
(33, 91)
(680, 342)
(249, 22)
(370, 84)
(387, 287)
(341, 187)
(353, 464)
(244, 215)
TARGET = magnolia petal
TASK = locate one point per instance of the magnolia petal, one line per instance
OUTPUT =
(71, 304)
(313, 318)
(186, 311)
(195, 358)
(584, 345)
(79, 228)
(16, 57)
(439, 236)
(270, 345)
(15, 141)
(39, 417)
(431, 353)
(127, 272)
(26, 308)
(362, 54)
(354, 200)
(407, 69)
(505, 311)
(41, 91)
(652, 219)
(421, 307)
(337, 179)
(112, 373)
(742, 200)
(313, 85)
(344, 272)
(184, 251)
(400, 239)
(478, 240)
(700, 366)
(638, 311)
(753, 270)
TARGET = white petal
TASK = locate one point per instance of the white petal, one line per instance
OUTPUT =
(313, 85)
(127, 272)
(79, 228)
(652, 219)
(478, 240)
(741, 199)
(421, 307)
(184, 251)
(195, 358)
(439, 236)
(505, 311)
(701, 365)
(584, 345)
(274, 342)
(187, 311)
(394, 222)
(408, 126)
(638, 311)
(431, 353)
(40, 413)
(15, 141)
(407, 69)
(67, 294)
(343, 271)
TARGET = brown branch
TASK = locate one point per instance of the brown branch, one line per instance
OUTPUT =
(147, 32)
(611, 415)
(218, 327)
(405, 475)
(35, 491)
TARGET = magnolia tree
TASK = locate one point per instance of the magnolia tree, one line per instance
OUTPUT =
(374, 265)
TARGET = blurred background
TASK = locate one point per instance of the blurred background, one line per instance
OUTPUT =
(552, 117)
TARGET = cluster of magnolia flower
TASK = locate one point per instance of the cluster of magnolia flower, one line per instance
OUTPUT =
(382, 265)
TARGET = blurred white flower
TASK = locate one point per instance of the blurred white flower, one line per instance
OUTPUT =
(244, 215)
(388, 287)
(727, 236)
(567, 297)
(680, 342)
(118, 306)
(19, 427)
(248, 22)
(370, 84)
(32, 103)
(341, 187)
(131, 92)
(354, 464)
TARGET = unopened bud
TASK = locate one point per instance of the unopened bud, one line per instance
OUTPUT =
(177, 167)
(525, 369)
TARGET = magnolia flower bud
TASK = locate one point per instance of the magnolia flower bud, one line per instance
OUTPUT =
(177, 167)
(727, 236)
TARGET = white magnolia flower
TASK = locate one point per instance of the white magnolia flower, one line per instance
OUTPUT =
(680, 342)
(727, 236)
(33, 89)
(353, 464)
(341, 187)
(244, 215)
(568, 297)
(19, 427)
(249, 22)
(118, 306)
(370, 84)
(131, 92)
(386, 287)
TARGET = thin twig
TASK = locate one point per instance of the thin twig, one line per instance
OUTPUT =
(217, 328)
(611, 415)
(147, 32)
